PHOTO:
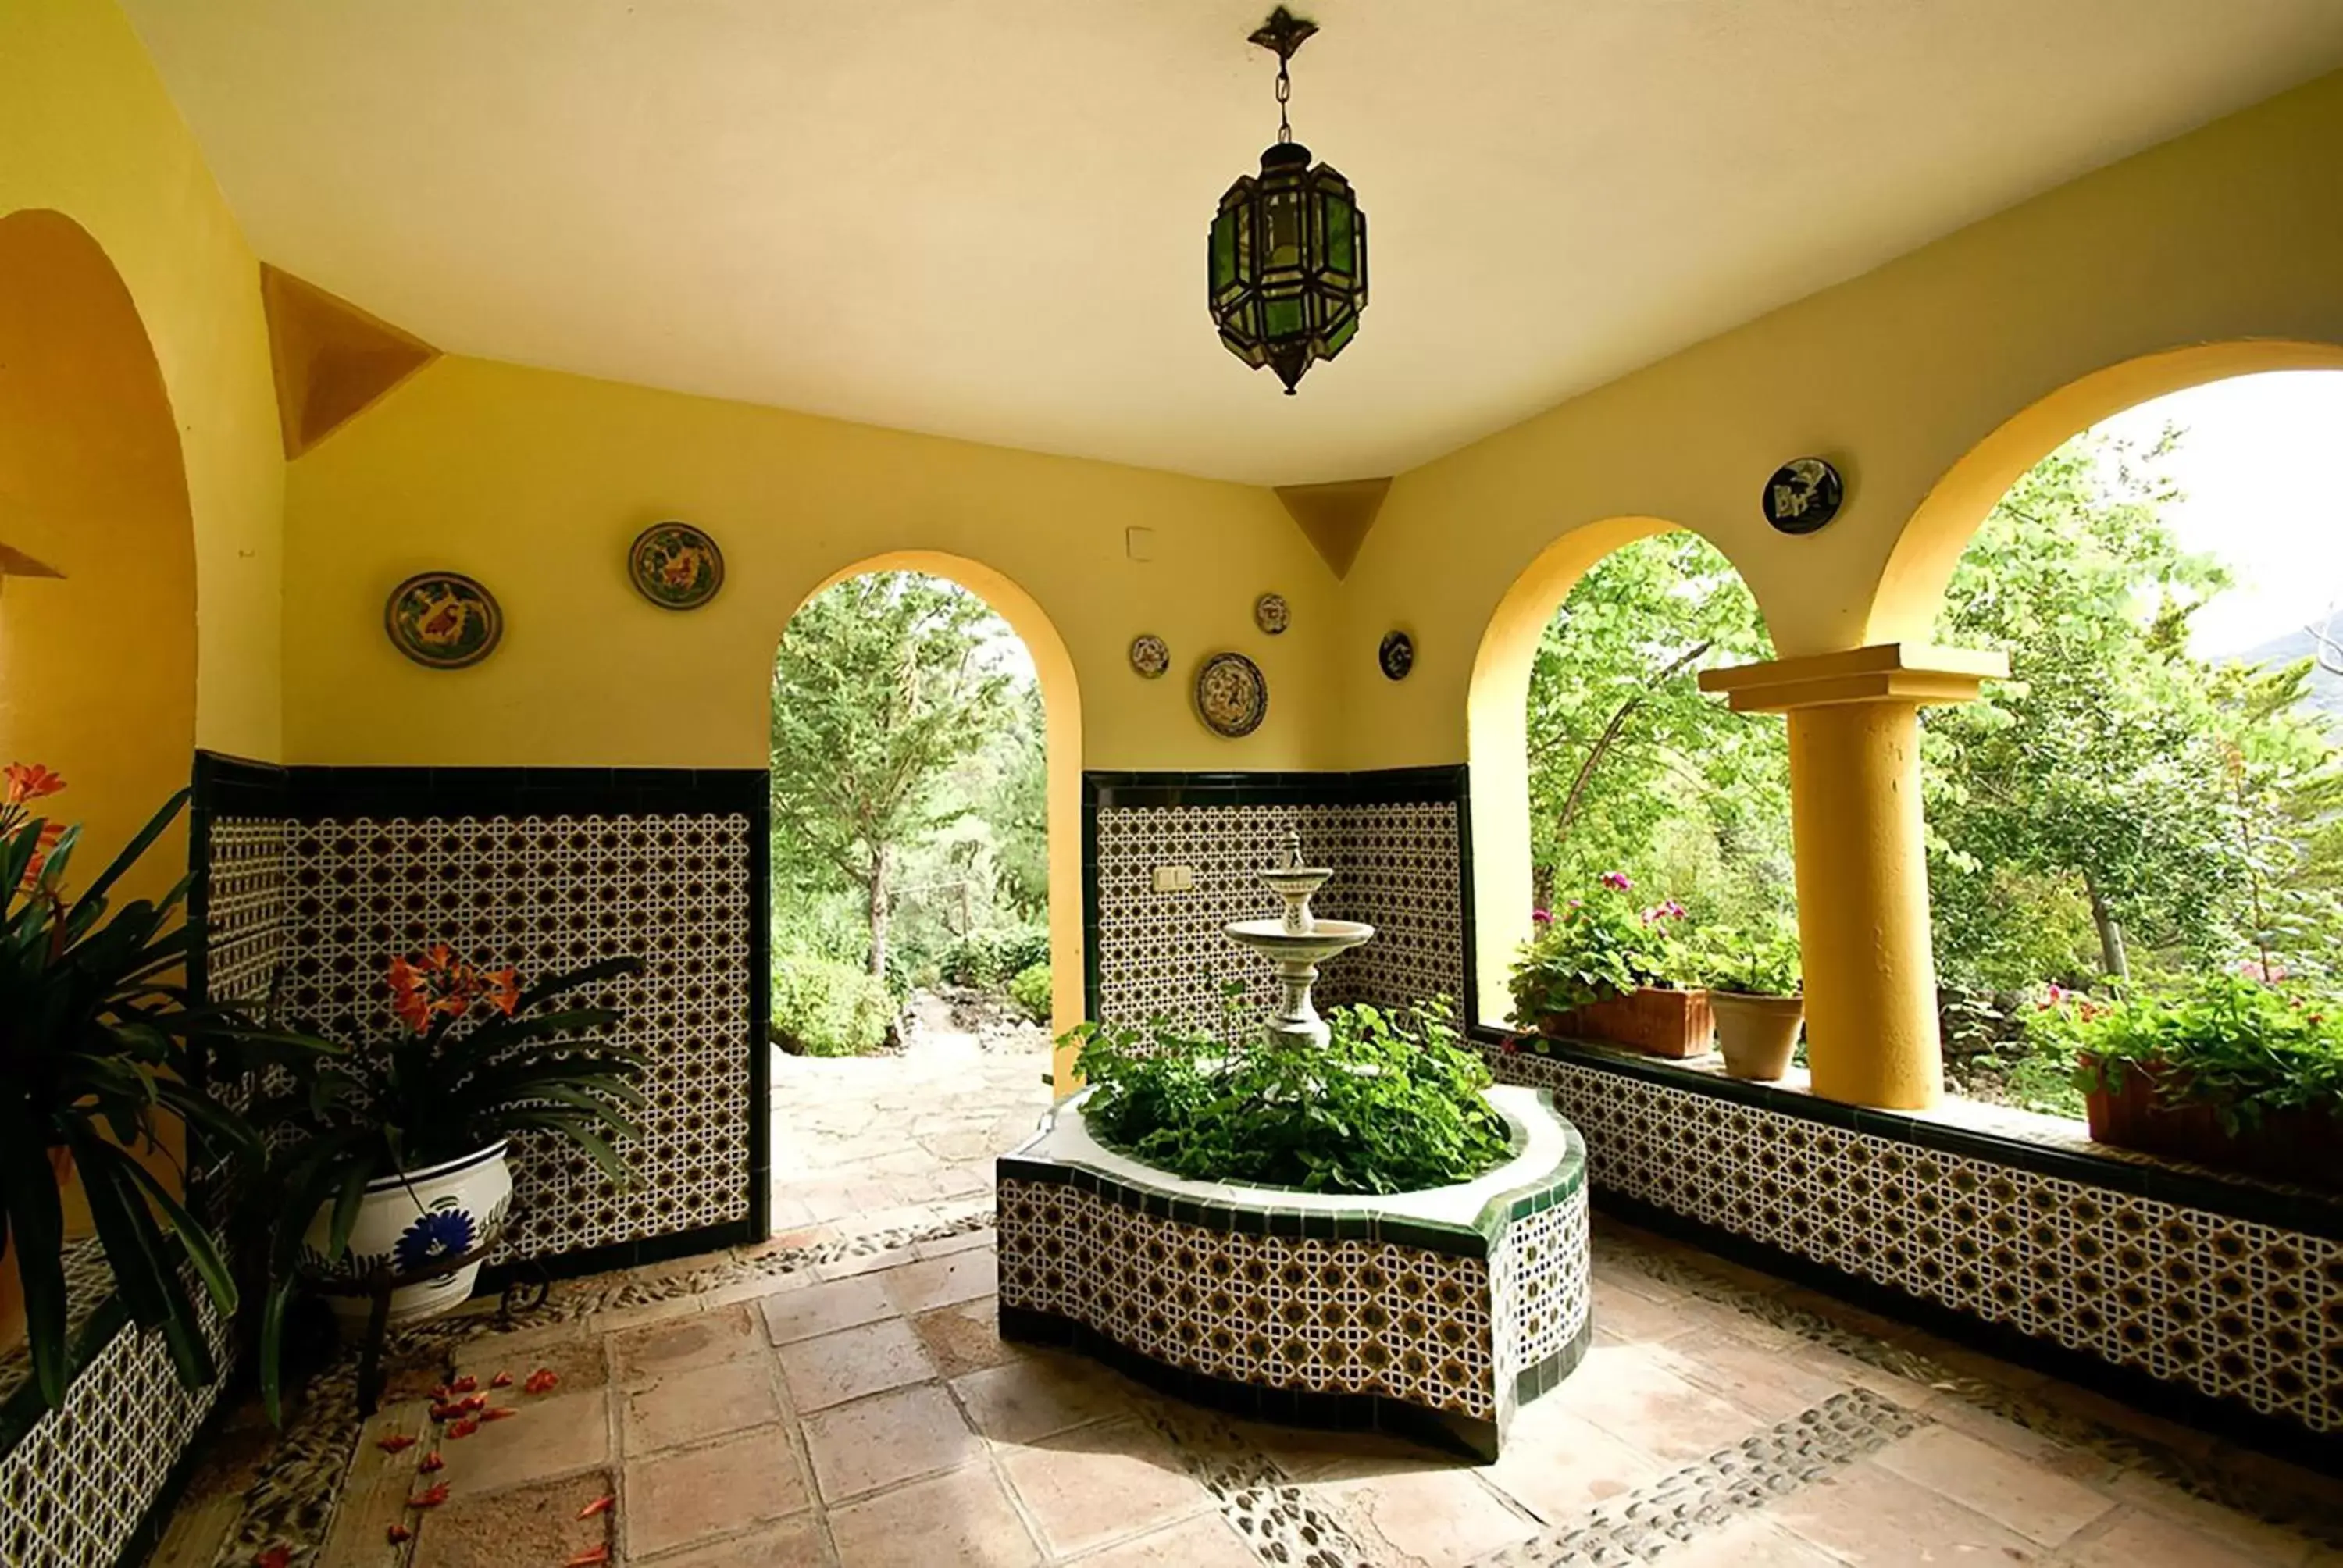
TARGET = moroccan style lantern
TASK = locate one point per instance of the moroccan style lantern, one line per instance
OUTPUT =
(1287, 258)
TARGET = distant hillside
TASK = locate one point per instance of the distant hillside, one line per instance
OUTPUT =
(2325, 687)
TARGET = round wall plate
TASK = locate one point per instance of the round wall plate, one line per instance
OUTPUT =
(1231, 695)
(1271, 613)
(1803, 494)
(1396, 655)
(1149, 655)
(443, 620)
(675, 566)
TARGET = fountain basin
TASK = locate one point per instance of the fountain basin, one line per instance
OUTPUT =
(1321, 941)
(1434, 1314)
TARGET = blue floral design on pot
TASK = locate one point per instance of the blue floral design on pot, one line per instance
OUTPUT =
(441, 1235)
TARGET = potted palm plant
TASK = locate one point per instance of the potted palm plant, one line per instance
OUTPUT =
(1601, 967)
(389, 1160)
(1753, 990)
(100, 1047)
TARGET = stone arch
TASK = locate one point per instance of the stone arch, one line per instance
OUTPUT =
(1919, 567)
(1062, 720)
(1497, 742)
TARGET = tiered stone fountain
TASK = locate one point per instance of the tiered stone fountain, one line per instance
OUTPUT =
(1433, 1313)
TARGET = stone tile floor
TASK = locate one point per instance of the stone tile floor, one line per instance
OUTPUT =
(850, 1404)
(871, 1141)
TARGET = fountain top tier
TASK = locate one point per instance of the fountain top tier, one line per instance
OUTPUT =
(1297, 941)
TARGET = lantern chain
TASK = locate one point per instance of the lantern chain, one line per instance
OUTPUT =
(1284, 91)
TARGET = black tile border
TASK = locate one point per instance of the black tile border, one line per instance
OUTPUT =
(2273, 1435)
(1463, 1435)
(2291, 1210)
(1440, 784)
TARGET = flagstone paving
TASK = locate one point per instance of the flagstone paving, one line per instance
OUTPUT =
(836, 1409)
(869, 1142)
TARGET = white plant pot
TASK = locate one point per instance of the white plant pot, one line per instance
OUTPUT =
(408, 1220)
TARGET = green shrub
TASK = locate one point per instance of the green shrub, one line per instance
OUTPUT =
(2236, 1043)
(990, 959)
(1757, 962)
(1391, 1104)
(1595, 948)
(1029, 989)
(825, 1008)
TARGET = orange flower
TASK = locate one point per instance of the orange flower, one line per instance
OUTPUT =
(503, 989)
(440, 984)
(23, 781)
(50, 833)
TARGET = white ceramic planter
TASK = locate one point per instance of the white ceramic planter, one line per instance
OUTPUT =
(409, 1220)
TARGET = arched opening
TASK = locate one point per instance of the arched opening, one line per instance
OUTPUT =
(926, 760)
(97, 581)
(2152, 806)
(1565, 719)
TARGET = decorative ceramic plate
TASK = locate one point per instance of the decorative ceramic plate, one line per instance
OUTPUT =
(1269, 614)
(1396, 656)
(1149, 655)
(1803, 494)
(443, 619)
(675, 566)
(1231, 698)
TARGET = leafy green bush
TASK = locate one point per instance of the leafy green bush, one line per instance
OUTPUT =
(1391, 1104)
(989, 958)
(2242, 1045)
(1600, 946)
(1750, 963)
(825, 1008)
(1029, 989)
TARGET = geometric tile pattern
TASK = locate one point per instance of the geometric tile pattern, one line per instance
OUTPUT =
(246, 885)
(1164, 955)
(89, 1285)
(2235, 1309)
(544, 894)
(75, 1489)
(1538, 1279)
(1330, 1317)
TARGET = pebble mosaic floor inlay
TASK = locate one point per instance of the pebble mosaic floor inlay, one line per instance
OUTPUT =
(844, 1405)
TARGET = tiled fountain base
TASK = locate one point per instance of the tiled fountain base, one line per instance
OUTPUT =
(1432, 1313)
(848, 1410)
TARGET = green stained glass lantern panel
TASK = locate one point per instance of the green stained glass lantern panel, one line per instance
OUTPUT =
(1342, 251)
(1224, 252)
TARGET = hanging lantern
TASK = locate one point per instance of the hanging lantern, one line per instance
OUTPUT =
(1287, 258)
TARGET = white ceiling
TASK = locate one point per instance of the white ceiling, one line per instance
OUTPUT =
(986, 219)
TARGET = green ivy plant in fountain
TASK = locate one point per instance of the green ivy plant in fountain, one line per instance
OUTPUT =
(1391, 1104)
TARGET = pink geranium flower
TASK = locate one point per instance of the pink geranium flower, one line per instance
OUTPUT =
(1616, 879)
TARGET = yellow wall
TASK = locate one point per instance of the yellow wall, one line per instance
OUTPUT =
(2234, 231)
(86, 130)
(534, 482)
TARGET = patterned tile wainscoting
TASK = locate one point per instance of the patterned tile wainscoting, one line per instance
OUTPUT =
(1395, 841)
(2162, 1286)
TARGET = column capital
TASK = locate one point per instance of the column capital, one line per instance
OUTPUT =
(1913, 672)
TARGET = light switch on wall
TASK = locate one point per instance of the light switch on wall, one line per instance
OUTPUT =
(1175, 878)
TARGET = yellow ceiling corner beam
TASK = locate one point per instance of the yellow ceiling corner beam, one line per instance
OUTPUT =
(332, 360)
(1335, 518)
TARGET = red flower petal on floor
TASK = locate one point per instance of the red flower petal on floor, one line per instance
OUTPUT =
(540, 1380)
(590, 1557)
(464, 1384)
(497, 1413)
(502, 1380)
(431, 1498)
(275, 1557)
(445, 1411)
(464, 1428)
(599, 1505)
(395, 1443)
(442, 1392)
(431, 1462)
(474, 1402)
(398, 1534)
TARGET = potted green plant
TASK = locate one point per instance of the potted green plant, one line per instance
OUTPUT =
(1604, 967)
(389, 1160)
(1753, 990)
(2240, 1071)
(100, 1044)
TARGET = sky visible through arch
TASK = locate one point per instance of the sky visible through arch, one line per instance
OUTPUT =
(2261, 468)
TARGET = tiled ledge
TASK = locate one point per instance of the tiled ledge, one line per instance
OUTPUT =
(2047, 1145)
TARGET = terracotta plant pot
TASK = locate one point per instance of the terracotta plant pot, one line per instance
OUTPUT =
(1757, 1034)
(1656, 1021)
(2299, 1146)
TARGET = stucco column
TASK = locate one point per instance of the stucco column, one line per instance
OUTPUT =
(1862, 866)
